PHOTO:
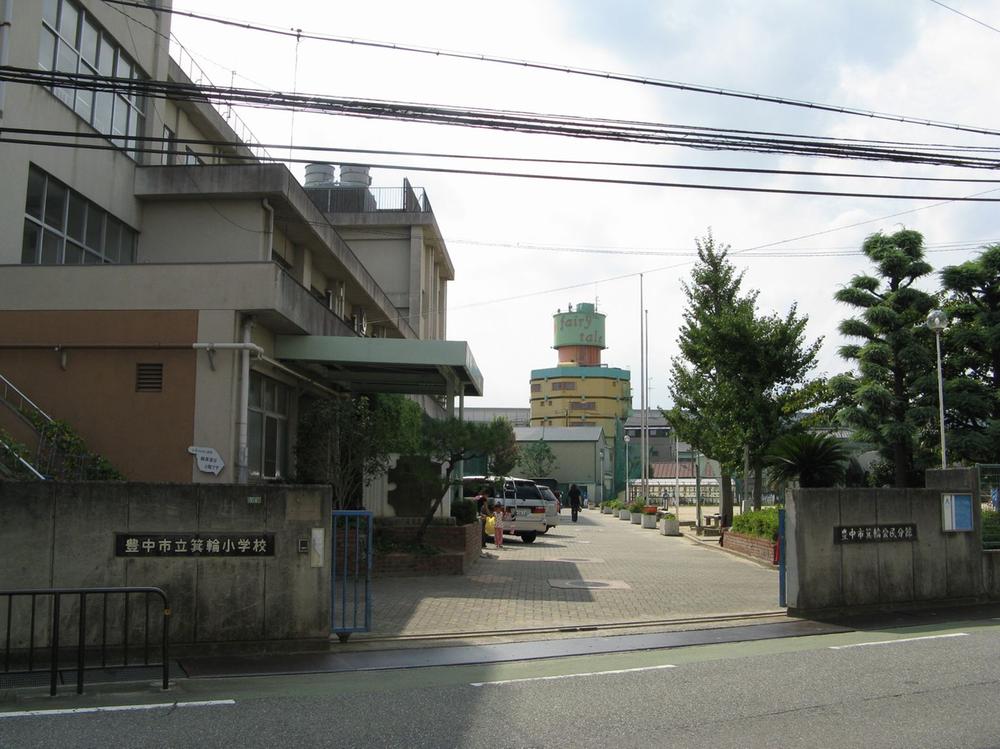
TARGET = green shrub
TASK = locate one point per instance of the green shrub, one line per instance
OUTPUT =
(759, 523)
(668, 516)
(991, 528)
(464, 511)
(636, 506)
(613, 504)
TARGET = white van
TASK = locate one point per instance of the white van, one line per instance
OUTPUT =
(520, 496)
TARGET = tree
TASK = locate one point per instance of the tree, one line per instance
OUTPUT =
(450, 441)
(888, 403)
(972, 358)
(346, 442)
(705, 401)
(814, 460)
(538, 460)
(740, 375)
(506, 454)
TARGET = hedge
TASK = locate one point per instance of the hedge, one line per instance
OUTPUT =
(759, 523)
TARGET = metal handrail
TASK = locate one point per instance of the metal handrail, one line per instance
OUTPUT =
(6, 386)
(53, 646)
(24, 464)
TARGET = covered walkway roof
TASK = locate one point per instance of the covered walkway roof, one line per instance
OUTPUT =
(386, 365)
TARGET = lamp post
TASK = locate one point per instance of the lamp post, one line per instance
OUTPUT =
(937, 321)
(628, 471)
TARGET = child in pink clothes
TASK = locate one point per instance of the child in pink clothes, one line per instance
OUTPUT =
(501, 514)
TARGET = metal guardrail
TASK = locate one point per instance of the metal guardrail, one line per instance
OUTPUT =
(19, 402)
(197, 74)
(351, 573)
(16, 460)
(370, 199)
(27, 651)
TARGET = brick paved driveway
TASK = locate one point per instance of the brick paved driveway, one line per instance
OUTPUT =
(665, 578)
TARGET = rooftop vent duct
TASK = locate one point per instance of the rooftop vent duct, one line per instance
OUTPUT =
(320, 174)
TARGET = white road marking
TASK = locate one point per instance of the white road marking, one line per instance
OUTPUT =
(114, 708)
(569, 676)
(893, 642)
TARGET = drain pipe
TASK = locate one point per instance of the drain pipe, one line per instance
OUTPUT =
(242, 456)
(269, 236)
(6, 22)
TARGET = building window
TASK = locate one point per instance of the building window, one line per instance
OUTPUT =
(583, 405)
(72, 42)
(63, 227)
(536, 387)
(564, 386)
(169, 146)
(267, 434)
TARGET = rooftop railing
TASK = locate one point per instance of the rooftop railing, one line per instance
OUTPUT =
(198, 75)
(370, 199)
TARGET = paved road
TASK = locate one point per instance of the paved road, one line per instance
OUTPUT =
(649, 577)
(926, 686)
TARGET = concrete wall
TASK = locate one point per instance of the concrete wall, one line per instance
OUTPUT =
(203, 231)
(936, 567)
(63, 535)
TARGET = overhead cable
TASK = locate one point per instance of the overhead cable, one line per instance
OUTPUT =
(566, 69)
(524, 122)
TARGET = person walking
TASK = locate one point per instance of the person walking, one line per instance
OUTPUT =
(574, 500)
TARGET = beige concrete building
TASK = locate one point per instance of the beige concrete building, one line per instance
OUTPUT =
(160, 296)
(583, 457)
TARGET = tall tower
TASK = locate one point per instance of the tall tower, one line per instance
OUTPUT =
(580, 390)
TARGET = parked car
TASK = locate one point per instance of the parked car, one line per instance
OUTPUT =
(551, 507)
(521, 498)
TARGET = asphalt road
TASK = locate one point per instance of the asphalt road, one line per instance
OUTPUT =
(927, 686)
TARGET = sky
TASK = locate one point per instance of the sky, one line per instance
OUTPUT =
(523, 249)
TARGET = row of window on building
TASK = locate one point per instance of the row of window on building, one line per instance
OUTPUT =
(72, 42)
(63, 227)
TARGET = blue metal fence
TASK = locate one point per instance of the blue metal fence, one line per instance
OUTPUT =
(351, 573)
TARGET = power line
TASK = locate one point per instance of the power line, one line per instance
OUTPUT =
(567, 69)
(228, 144)
(523, 122)
(541, 177)
(966, 15)
(625, 251)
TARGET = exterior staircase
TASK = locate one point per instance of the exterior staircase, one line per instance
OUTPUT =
(26, 461)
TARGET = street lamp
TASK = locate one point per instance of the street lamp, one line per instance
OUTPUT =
(937, 321)
(628, 493)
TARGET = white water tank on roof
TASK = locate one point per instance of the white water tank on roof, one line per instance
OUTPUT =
(320, 174)
(355, 176)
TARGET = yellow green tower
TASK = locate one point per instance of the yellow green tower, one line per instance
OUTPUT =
(580, 390)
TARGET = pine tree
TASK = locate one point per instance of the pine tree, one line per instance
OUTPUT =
(972, 364)
(889, 402)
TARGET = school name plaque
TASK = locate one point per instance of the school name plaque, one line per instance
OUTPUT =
(194, 544)
(874, 534)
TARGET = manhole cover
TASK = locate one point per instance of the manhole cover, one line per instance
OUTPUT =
(590, 584)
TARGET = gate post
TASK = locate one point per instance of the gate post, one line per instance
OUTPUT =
(351, 573)
(781, 557)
